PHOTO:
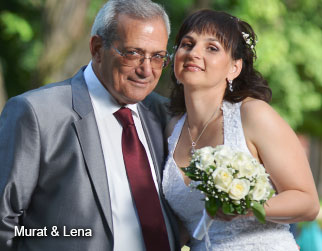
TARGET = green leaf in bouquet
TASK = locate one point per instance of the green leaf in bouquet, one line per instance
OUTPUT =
(211, 168)
(201, 187)
(189, 173)
(258, 211)
(185, 169)
(272, 192)
(248, 202)
(212, 205)
(239, 209)
(189, 169)
(228, 208)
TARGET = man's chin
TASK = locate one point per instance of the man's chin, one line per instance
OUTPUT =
(132, 99)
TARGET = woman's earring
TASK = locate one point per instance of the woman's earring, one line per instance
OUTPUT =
(230, 85)
(178, 83)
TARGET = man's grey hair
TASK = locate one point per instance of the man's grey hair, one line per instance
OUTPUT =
(105, 24)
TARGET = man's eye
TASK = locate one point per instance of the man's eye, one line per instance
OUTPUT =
(159, 56)
(132, 53)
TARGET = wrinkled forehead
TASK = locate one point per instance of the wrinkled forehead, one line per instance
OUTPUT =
(148, 35)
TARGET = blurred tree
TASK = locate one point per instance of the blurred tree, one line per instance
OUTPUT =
(43, 40)
(200, 4)
(65, 39)
(20, 27)
(289, 34)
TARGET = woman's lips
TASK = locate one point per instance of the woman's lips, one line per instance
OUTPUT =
(192, 67)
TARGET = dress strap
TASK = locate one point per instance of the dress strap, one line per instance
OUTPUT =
(173, 139)
(233, 128)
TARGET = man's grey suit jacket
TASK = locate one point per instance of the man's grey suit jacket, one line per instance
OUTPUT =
(52, 170)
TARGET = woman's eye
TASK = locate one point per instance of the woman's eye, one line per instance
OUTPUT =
(212, 48)
(186, 45)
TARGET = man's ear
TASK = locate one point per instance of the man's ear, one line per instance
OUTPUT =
(96, 48)
(235, 69)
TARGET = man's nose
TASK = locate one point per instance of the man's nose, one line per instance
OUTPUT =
(145, 68)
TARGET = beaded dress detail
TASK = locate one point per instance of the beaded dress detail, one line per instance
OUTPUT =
(237, 235)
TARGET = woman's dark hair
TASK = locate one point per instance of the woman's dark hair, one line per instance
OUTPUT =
(232, 34)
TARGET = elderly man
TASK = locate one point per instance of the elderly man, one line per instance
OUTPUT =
(81, 160)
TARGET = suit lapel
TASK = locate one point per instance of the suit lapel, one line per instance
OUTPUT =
(89, 139)
(154, 136)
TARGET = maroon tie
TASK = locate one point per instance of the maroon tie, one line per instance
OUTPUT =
(142, 186)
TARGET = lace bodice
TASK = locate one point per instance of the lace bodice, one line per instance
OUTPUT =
(238, 234)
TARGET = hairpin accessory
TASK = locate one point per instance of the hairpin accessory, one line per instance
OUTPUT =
(249, 40)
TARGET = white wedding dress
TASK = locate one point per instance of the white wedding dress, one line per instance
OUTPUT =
(243, 234)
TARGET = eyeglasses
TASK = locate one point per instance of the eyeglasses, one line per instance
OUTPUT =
(135, 58)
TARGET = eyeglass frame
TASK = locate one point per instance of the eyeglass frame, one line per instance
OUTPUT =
(167, 58)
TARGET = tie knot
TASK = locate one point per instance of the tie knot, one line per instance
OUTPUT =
(124, 116)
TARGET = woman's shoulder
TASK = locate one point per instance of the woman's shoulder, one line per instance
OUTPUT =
(253, 103)
(256, 109)
(258, 117)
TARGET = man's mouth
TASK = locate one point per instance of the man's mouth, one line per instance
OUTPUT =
(139, 81)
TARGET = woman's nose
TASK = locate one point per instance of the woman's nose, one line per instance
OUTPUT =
(196, 52)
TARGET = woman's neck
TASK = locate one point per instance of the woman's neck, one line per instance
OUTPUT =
(201, 106)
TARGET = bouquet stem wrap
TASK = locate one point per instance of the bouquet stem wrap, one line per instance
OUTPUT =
(201, 230)
(203, 226)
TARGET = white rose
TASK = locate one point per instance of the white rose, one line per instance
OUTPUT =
(239, 188)
(205, 157)
(262, 189)
(263, 178)
(261, 169)
(222, 178)
(223, 155)
(259, 193)
(223, 149)
(245, 164)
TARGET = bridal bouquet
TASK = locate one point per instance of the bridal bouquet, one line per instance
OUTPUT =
(231, 180)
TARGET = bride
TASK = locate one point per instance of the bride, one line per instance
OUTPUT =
(220, 99)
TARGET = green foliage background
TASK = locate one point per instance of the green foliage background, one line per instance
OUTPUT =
(289, 49)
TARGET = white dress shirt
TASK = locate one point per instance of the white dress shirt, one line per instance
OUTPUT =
(127, 231)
